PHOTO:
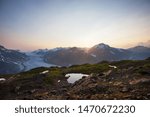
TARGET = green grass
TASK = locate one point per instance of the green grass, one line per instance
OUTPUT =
(140, 67)
(87, 68)
(144, 70)
(30, 74)
(57, 73)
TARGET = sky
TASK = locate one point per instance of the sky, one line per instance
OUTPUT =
(32, 24)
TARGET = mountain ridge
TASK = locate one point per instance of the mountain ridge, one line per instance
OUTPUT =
(68, 56)
(94, 54)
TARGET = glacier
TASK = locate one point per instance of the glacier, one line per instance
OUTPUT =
(35, 60)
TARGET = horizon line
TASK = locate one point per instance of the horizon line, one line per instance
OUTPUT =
(17, 49)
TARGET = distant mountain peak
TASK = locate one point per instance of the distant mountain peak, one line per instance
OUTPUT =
(41, 50)
(101, 46)
(140, 46)
(2, 47)
(57, 49)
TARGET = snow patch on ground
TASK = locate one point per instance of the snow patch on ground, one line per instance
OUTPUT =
(112, 66)
(44, 72)
(2, 79)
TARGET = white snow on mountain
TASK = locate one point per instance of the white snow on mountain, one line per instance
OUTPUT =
(35, 61)
(40, 51)
(55, 49)
(1, 57)
(59, 48)
(112, 52)
(93, 55)
(101, 46)
(119, 49)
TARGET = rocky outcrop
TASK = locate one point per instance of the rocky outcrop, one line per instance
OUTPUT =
(128, 80)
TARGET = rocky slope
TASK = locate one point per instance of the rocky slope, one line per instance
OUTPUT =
(68, 56)
(107, 80)
(11, 60)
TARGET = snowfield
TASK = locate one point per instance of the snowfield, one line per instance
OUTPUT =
(35, 61)
(2, 79)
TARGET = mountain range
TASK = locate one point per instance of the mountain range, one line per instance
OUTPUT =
(13, 61)
(97, 53)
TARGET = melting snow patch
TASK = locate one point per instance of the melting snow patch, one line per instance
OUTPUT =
(2, 79)
(44, 72)
(112, 66)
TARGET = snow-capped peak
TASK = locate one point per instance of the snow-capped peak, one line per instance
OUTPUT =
(101, 46)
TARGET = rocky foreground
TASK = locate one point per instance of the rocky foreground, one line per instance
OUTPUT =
(106, 80)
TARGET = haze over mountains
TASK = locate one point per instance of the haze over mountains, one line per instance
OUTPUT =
(12, 61)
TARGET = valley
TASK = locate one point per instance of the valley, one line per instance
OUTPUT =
(24, 61)
(34, 60)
